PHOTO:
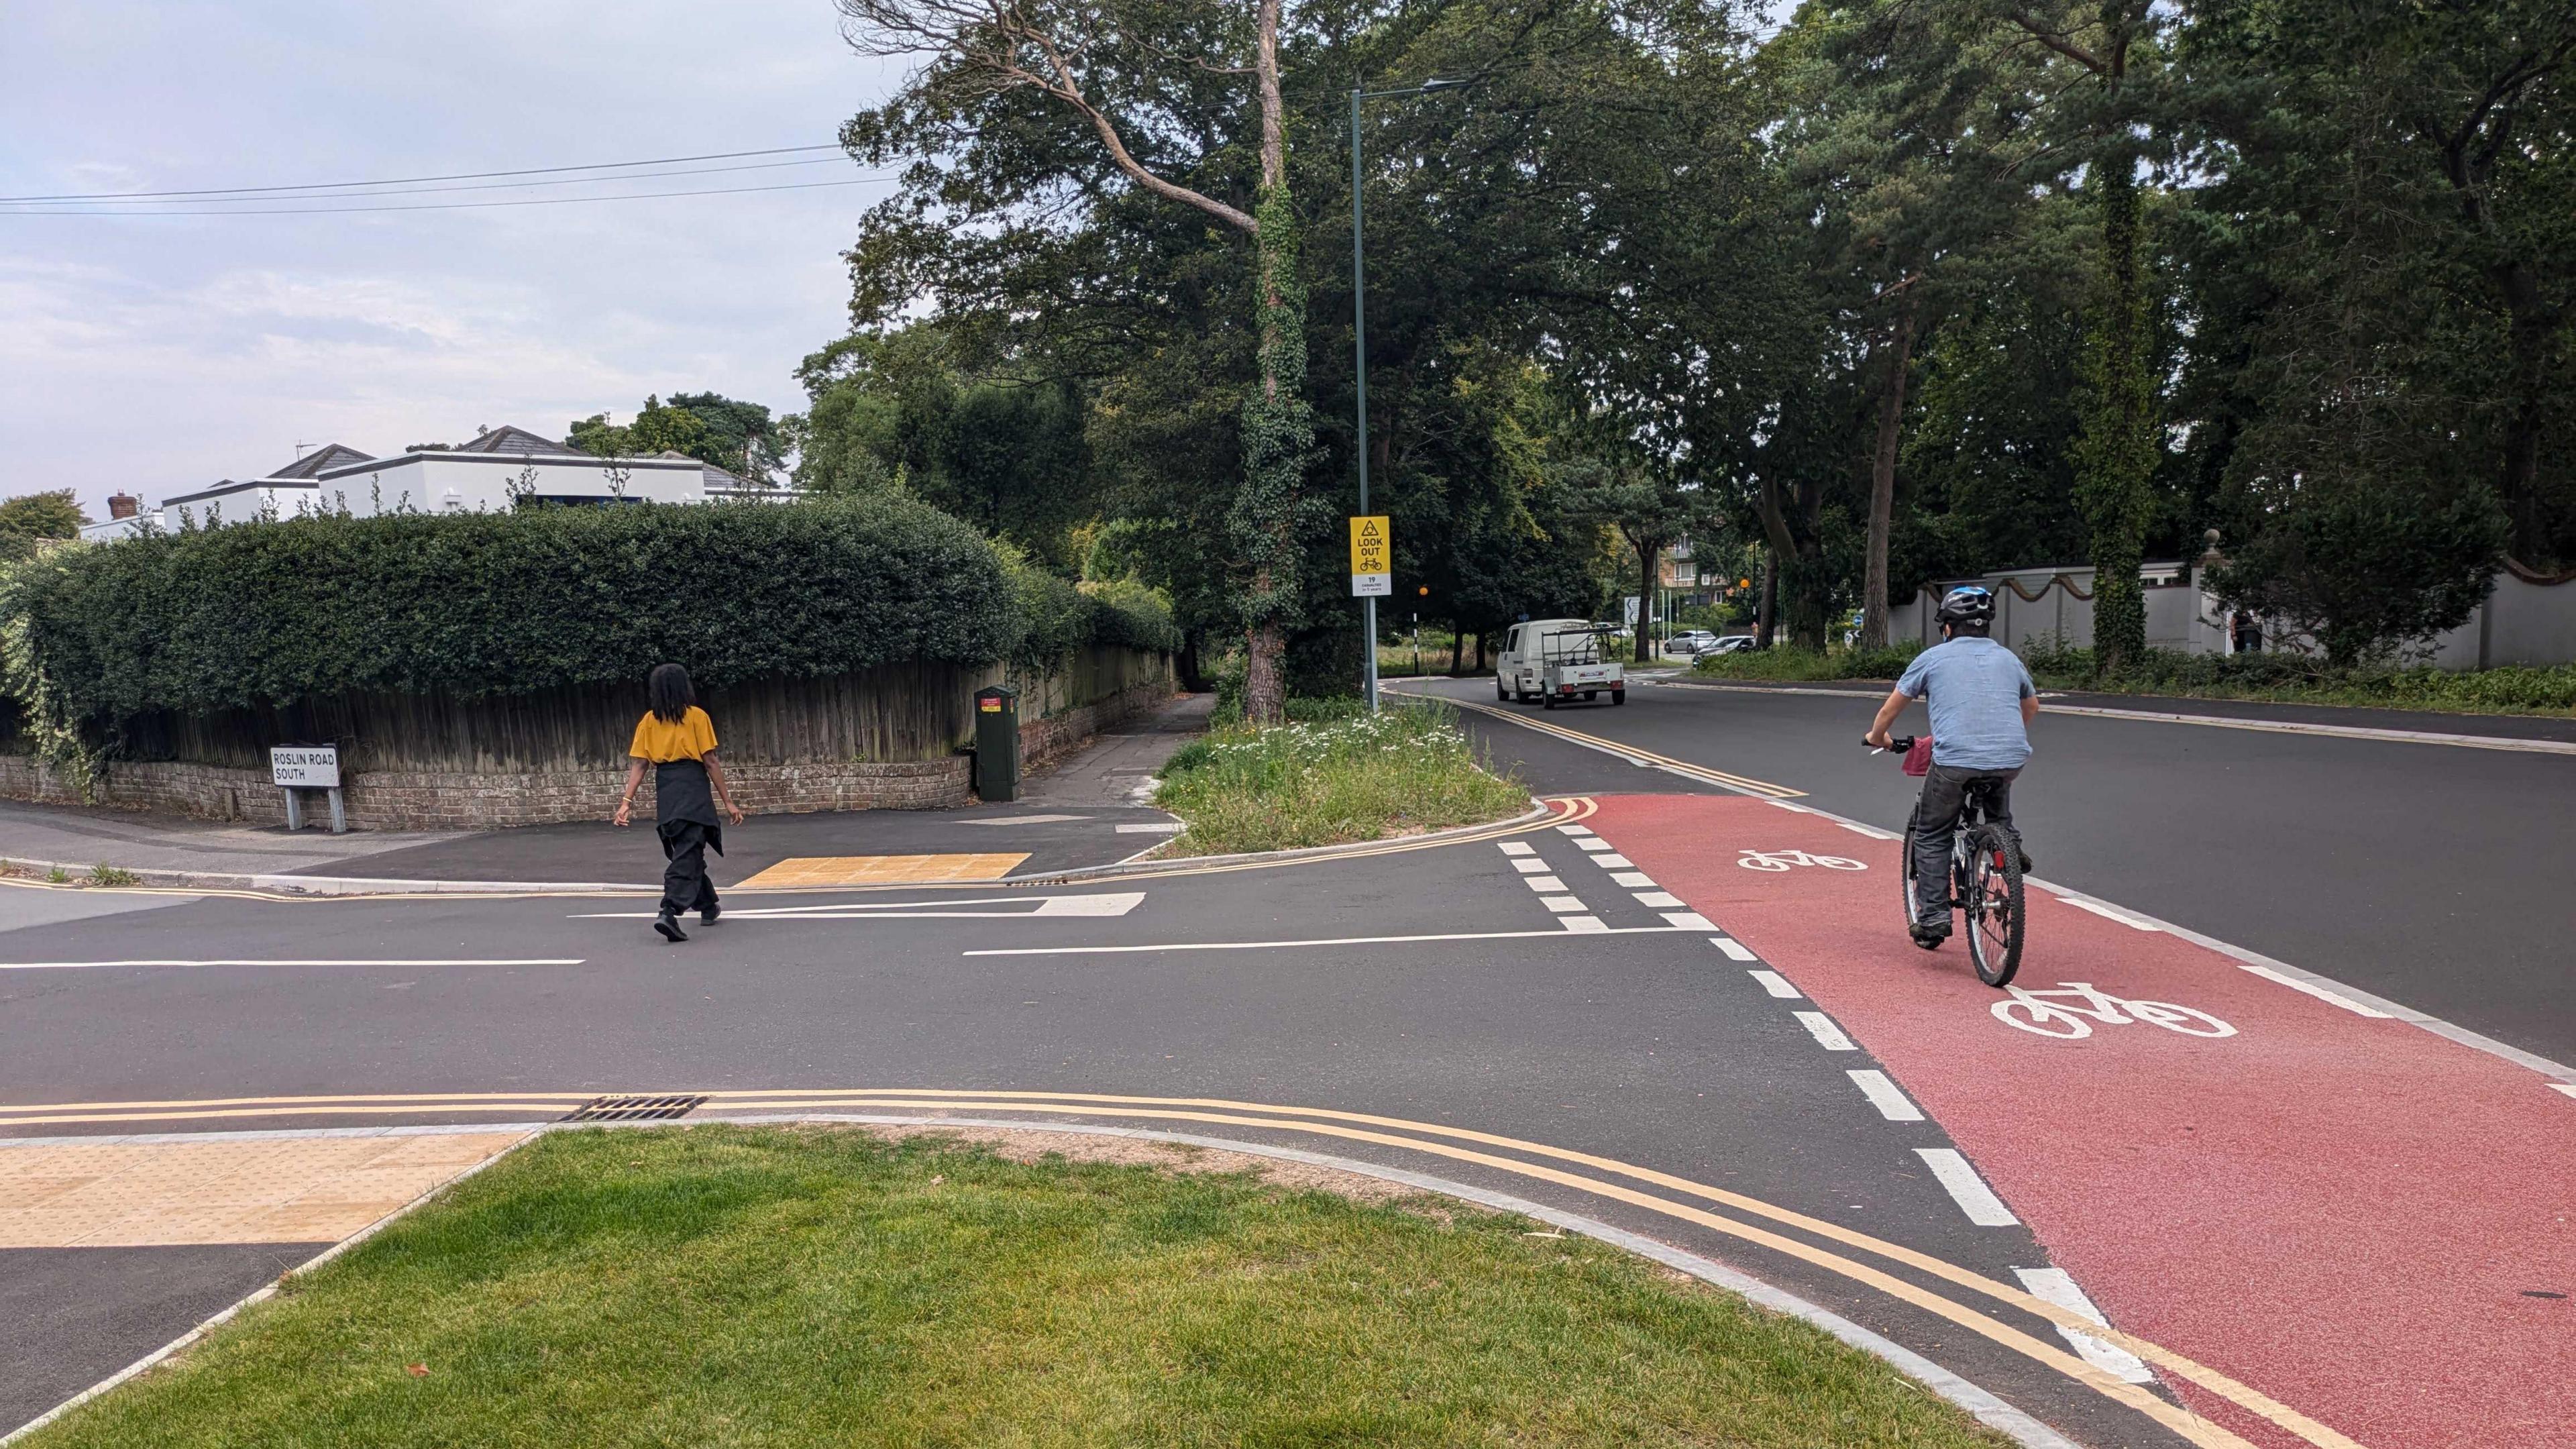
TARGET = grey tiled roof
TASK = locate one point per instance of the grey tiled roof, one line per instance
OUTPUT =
(507, 439)
(329, 455)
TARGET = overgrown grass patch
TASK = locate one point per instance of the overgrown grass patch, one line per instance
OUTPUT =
(789, 1288)
(2300, 679)
(1334, 773)
(1786, 662)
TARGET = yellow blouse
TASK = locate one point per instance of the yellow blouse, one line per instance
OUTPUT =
(660, 741)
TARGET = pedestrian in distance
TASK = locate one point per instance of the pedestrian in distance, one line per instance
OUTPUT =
(678, 740)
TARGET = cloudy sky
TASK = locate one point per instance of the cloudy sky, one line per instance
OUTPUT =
(158, 353)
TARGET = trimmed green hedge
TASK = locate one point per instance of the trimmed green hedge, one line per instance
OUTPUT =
(501, 603)
(2511, 689)
(1056, 616)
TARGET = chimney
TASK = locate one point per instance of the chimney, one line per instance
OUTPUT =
(122, 505)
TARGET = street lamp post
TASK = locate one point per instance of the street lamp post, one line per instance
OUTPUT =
(1359, 346)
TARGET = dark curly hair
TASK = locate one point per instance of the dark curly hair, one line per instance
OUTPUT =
(669, 689)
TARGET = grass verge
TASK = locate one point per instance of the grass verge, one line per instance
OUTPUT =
(809, 1287)
(1334, 773)
(2295, 679)
(2278, 678)
(1788, 663)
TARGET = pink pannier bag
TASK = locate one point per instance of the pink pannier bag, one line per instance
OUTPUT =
(1918, 758)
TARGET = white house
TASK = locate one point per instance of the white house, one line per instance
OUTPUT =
(501, 469)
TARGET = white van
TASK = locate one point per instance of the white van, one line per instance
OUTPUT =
(1557, 659)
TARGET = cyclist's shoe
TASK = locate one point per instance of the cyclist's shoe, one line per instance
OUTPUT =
(2027, 865)
(1930, 934)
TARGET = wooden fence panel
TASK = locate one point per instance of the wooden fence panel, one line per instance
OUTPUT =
(897, 712)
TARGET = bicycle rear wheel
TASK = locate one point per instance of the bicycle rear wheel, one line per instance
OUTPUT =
(1994, 905)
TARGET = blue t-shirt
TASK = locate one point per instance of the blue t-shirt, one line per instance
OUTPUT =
(1974, 688)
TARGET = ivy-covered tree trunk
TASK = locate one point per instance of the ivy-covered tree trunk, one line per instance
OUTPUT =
(1278, 433)
(1882, 477)
(2115, 457)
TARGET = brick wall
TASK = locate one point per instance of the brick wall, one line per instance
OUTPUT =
(1041, 740)
(421, 800)
(455, 800)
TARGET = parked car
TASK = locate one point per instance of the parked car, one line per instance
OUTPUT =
(1690, 641)
(1732, 644)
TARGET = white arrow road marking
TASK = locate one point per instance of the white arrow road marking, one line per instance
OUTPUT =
(2055, 1285)
(1328, 941)
(1115, 903)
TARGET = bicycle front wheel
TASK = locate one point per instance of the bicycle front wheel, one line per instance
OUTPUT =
(1905, 871)
(1994, 905)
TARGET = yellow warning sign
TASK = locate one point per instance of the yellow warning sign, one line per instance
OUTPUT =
(1372, 557)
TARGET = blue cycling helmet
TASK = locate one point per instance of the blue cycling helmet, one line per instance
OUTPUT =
(1968, 604)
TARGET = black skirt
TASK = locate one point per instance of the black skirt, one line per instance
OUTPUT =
(681, 792)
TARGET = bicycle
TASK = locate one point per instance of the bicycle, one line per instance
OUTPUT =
(1985, 881)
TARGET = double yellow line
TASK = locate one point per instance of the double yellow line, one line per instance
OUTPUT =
(1821, 1244)
(1741, 784)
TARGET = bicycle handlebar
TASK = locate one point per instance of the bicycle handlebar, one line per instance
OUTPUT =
(1896, 745)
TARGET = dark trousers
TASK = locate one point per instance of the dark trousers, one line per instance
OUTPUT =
(1936, 820)
(685, 886)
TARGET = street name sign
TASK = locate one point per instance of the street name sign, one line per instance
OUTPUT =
(305, 767)
(1372, 557)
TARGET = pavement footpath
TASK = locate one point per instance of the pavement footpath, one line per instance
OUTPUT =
(1088, 808)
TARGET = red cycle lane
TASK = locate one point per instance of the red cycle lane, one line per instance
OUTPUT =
(2352, 1215)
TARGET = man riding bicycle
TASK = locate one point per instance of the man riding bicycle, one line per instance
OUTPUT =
(1982, 702)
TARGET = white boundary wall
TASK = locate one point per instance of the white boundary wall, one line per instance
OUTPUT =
(2522, 621)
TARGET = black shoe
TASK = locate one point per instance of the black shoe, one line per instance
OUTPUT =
(1930, 934)
(669, 926)
(708, 916)
(2026, 866)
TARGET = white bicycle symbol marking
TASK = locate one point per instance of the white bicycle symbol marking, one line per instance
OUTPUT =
(1783, 859)
(2038, 1012)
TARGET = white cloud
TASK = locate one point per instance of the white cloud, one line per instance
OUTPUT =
(157, 354)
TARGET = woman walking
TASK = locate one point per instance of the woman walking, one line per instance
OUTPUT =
(678, 739)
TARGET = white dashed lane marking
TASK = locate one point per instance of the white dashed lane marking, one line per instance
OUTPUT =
(1689, 921)
(1581, 923)
(1612, 860)
(1822, 1028)
(2054, 1285)
(1775, 983)
(1529, 865)
(1546, 884)
(1635, 880)
(1735, 950)
(1578, 831)
(1886, 1096)
(1967, 1189)
(1561, 904)
(1660, 900)
(1518, 847)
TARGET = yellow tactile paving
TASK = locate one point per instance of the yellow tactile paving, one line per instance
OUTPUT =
(854, 870)
(75, 1194)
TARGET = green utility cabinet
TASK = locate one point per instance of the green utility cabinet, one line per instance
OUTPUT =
(997, 744)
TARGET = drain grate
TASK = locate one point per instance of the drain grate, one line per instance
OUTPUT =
(633, 1109)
